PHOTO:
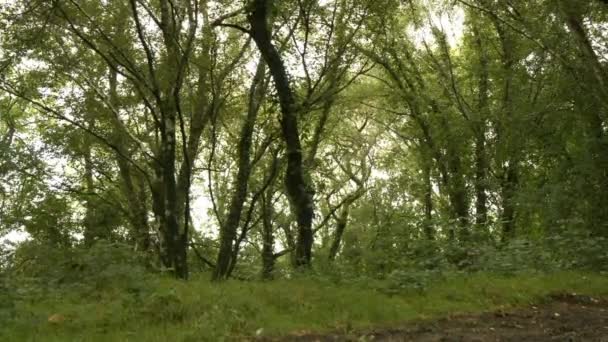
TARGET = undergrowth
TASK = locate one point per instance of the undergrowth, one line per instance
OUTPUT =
(162, 309)
(109, 293)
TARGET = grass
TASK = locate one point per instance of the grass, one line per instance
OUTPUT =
(198, 310)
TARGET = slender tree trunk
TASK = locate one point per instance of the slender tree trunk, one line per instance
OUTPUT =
(289, 239)
(140, 215)
(158, 208)
(136, 201)
(457, 193)
(341, 222)
(268, 258)
(205, 108)
(228, 231)
(446, 172)
(167, 85)
(91, 232)
(590, 58)
(505, 137)
(175, 248)
(460, 207)
(481, 197)
(509, 188)
(268, 217)
(298, 185)
(429, 229)
(481, 165)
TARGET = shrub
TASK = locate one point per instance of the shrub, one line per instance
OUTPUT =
(40, 267)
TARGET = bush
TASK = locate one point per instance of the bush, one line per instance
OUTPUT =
(7, 299)
(517, 256)
(421, 262)
(163, 305)
(405, 281)
(40, 267)
(577, 250)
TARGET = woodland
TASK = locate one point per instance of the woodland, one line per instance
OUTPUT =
(214, 169)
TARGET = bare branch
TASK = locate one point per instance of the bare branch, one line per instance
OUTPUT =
(219, 20)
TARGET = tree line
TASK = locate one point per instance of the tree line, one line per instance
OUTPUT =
(322, 129)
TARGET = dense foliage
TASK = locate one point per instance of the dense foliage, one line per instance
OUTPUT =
(398, 142)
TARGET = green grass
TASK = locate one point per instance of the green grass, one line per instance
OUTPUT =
(198, 310)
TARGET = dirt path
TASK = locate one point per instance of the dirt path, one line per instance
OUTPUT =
(562, 318)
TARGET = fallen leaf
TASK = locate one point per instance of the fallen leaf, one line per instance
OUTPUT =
(56, 318)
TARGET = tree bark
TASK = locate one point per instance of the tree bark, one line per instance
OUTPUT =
(429, 229)
(341, 222)
(268, 258)
(574, 22)
(596, 119)
(510, 176)
(175, 235)
(241, 182)
(481, 197)
(481, 165)
(508, 190)
(456, 187)
(91, 232)
(298, 185)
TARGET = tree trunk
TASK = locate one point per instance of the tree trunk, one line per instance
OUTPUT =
(228, 231)
(457, 192)
(481, 165)
(460, 207)
(509, 188)
(167, 89)
(429, 230)
(575, 24)
(268, 258)
(596, 120)
(298, 185)
(205, 108)
(481, 197)
(91, 232)
(341, 222)
(175, 239)
(506, 138)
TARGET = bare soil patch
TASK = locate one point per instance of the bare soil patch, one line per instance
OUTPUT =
(564, 317)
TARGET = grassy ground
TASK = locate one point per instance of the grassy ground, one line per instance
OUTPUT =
(169, 310)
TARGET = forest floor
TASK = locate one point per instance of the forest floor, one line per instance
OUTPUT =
(457, 307)
(565, 317)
